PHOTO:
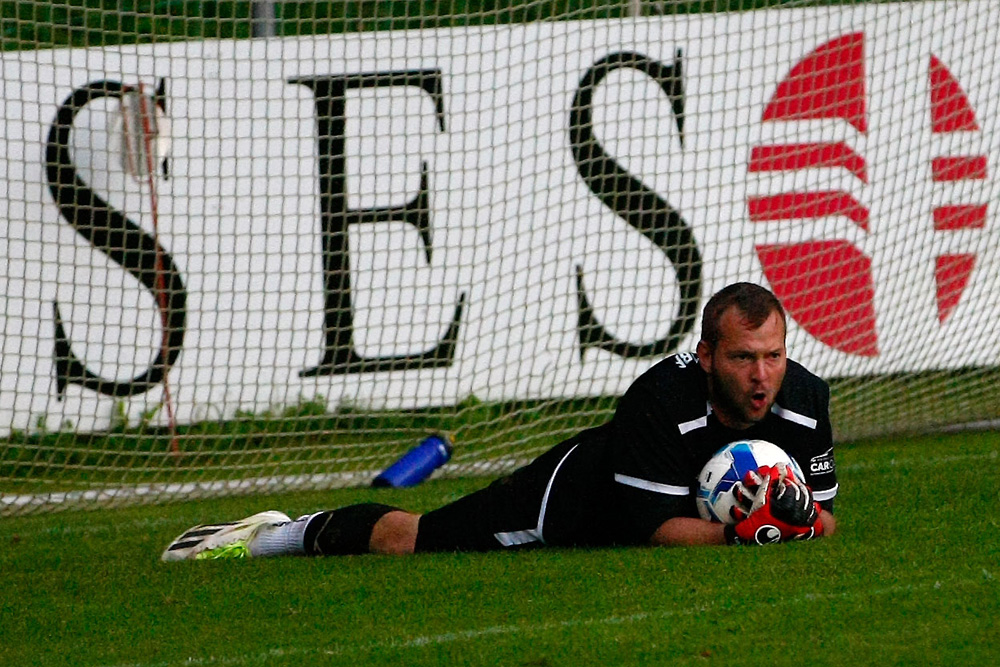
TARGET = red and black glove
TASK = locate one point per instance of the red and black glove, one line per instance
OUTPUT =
(773, 506)
(794, 504)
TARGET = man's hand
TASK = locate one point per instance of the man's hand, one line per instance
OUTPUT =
(774, 506)
(793, 503)
(751, 493)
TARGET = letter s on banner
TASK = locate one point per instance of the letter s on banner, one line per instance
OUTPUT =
(123, 241)
(640, 207)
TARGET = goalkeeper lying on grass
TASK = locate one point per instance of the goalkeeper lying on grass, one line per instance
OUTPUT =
(627, 482)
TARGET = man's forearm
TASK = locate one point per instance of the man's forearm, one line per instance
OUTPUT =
(688, 531)
(829, 523)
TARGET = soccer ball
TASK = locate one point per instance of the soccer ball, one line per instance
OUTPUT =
(727, 466)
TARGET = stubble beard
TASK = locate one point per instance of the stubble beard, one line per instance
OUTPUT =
(728, 404)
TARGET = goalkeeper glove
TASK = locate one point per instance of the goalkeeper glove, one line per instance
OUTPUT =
(751, 492)
(793, 503)
(773, 506)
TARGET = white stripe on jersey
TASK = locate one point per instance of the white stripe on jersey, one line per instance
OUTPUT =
(795, 417)
(700, 422)
(656, 487)
(534, 534)
(518, 537)
(825, 494)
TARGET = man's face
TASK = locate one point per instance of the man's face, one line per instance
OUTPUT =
(745, 369)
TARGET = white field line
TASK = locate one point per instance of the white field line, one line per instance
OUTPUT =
(513, 629)
(121, 496)
(133, 494)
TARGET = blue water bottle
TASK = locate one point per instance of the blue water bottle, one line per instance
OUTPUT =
(417, 464)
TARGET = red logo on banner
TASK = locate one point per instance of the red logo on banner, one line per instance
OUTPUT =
(827, 286)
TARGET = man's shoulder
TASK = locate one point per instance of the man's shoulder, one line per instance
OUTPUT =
(680, 363)
(679, 371)
(804, 389)
(675, 384)
(799, 375)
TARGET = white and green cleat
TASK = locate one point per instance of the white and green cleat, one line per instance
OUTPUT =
(221, 540)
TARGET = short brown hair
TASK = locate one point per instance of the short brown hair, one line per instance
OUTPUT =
(754, 302)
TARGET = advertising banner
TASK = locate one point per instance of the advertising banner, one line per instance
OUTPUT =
(408, 219)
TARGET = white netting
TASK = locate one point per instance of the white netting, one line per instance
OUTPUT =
(254, 246)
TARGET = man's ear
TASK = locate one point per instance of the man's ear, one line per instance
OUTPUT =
(705, 356)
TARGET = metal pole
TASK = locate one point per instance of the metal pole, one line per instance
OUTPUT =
(263, 19)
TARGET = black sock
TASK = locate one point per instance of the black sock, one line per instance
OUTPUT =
(345, 531)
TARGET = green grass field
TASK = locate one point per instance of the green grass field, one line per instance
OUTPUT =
(911, 577)
(37, 24)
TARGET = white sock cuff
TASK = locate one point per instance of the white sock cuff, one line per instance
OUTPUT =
(284, 540)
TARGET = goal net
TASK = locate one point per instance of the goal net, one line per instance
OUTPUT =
(258, 246)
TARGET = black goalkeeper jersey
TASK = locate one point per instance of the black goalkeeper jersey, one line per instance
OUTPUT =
(641, 468)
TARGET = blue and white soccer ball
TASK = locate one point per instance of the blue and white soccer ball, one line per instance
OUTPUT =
(728, 466)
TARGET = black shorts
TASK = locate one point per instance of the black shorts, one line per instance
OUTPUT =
(551, 501)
